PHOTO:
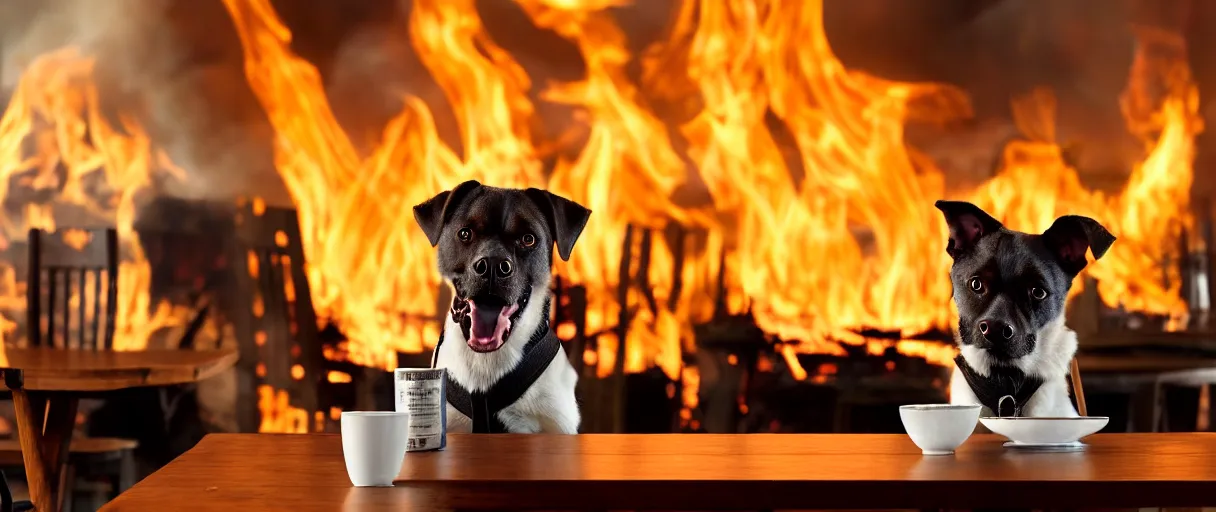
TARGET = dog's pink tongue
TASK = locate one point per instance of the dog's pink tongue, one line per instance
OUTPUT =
(490, 324)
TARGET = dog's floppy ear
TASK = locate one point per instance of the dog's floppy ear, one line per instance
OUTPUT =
(437, 211)
(968, 223)
(1069, 237)
(566, 218)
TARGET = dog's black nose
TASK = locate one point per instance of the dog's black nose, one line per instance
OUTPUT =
(502, 268)
(991, 329)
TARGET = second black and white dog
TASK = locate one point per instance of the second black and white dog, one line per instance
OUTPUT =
(507, 371)
(1010, 289)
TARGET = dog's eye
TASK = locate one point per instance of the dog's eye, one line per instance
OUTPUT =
(528, 240)
(464, 234)
(1038, 293)
(976, 285)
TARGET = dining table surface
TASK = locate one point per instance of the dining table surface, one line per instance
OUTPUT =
(53, 369)
(296, 472)
(47, 383)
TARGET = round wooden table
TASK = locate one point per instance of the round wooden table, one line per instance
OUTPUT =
(1142, 375)
(47, 383)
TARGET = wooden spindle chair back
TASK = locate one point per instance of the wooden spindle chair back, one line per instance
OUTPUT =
(279, 332)
(72, 288)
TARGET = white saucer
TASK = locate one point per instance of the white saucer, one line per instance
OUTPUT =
(1027, 431)
(1046, 447)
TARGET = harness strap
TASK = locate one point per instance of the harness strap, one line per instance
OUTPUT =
(483, 406)
(1001, 384)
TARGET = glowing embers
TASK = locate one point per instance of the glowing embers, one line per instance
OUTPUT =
(278, 415)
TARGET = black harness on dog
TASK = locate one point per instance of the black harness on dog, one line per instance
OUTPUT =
(483, 406)
(1001, 382)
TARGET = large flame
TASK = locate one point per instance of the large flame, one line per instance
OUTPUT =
(371, 270)
(627, 173)
(1150, 215)
(853, 242)
(821, 212)
(62, 152)
(824, 213)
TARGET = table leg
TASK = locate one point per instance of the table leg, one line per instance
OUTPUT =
(57, 438)
(1207, 409)
(1146, 408)
(29, 432)
(44, 427)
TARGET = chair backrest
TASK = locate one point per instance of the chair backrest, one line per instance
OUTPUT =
(72, 289)
(278, 334)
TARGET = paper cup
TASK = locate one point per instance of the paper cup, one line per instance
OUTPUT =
(373, 444)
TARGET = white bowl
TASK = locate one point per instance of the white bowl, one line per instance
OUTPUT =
(937, 429)
(1045, 431)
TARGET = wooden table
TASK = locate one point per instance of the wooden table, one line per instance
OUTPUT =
(1147, 364)
(47, 383)
(228, 472)
(1142, 375)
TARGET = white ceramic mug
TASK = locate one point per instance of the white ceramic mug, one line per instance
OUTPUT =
(373, 444)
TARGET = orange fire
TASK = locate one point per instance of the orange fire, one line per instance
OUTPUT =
(821, 212)
(57, 145)
(823, 235)
(627, 173)
(379, 283)
(278, 415)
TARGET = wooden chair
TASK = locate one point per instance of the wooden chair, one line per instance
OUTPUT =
(72, 260)
(65, 311)
(277, 326)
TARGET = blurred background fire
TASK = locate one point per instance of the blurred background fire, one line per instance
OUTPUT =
(764, 253)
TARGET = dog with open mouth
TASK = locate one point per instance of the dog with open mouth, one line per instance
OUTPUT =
(1010, 289)
(507, 371)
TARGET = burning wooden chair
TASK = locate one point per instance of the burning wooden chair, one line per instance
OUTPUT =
(242, 267)
(72, 263)
(277, 325)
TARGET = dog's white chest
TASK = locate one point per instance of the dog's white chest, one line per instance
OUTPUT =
(548, 405)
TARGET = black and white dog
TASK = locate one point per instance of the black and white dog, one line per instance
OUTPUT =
(1010, 289)
(507, 370)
